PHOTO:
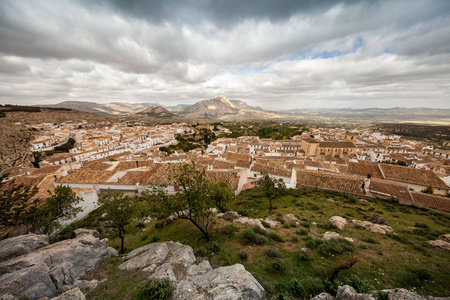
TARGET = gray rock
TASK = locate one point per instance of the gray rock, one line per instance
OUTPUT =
(444, 237)
(73, 294)
(338, 222)
(248, 221)
(323, 296)
(271, 222)
(347, 292)
(439, 244)
(232, 282)
(334, 235)
(52, 269)
(8, 297)
(22, 244)
(402, 294)
(86, 285)
(376, 228)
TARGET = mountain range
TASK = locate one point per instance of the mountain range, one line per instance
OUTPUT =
(220, 108)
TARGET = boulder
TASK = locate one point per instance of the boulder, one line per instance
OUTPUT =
(376, 228)
(444, 237)
(347, 292)
(271, 222)
(53, 269)
(439, 244)
(290, 218)
(403, 294)
(248, 221)
(338, 222)
(193, 281)
(232, 282)
(334, 235)
(73, 294)
(323, 296)
(22, 244)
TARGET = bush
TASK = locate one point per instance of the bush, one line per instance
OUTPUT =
(286, 225)
(292, 224)
(334, 247)
(360, 285)
(421, 225)
(261, 240)
(271, 252)
(259, 230)
(160, 224)
(314, 243)
(228, 230)
(301, 231)
(265, 224)
(275, 237)
(312, 286)
(155, 290)
(248, 235)
(294, 239)
(369, 239)
(277, 267)
(301, 255)
(207, 250)
(243, 255)
(296, 287)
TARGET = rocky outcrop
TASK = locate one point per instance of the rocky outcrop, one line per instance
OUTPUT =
(334, 235)
(338, 222)
(376, 228)
(21, 244)
(193, 281)
(248, 221)
(442, 242)
(348, 293)
(53, 269)
(73, 294)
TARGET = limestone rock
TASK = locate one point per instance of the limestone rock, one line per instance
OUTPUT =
(334, 235)
(323, 296)
(73, 294)
(338, 222)
(52, 269)
(347, 292)
(376, 228)
(248, 221)
(22, 244)
(232, 282)
(289, 218)
(86, 285)
(439, 244)
(271, 222)
(193, 281)
(403, 294)
(444, 237)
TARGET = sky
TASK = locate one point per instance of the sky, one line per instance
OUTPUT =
(277, 54)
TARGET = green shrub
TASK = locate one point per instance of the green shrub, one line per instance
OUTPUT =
(312, 286)
(301, 255)
(286, 225)
(243, 213)
(314, 243)
(228, 230)
(292, 224)
(277, 267)
(369, 239)
(155, 289)
(208, 250)
(160, 224)
(271, 252)
(360, 285)
(248, 235)
(382, 296)
(261, 240)
(301, 231)
(243, 255)
(259, 230)
(294, 239)
(296, 287)
(399, 238)
(334, 247)
(421, 225)
(265, 224)
(275, 237)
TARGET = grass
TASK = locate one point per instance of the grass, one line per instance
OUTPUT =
(385, 261)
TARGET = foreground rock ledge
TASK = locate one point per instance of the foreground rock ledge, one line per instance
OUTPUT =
(193, 281)
(53, 269)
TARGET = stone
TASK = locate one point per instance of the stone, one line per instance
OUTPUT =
(54, 268)
(86, 285)
(402, 294)
(334, 235)
(82, 231)
(439, 244)
(323, 296)
(347, 292)
(376, 228)
(271, 222)
(232, 282)
(290, 218)
(9, 297)
(17, 231)
(248, 221)
(73, 294)
(338, 222)
(193, 281)
(21, 244)
(444, 237)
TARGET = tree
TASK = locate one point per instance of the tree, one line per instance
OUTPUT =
(15, 202)
(271, 187)
(192, 202)
(220, 195)
(120, 210)
(428, 190)
(62, 205)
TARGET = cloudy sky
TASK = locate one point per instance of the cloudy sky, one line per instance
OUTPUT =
(278, 54)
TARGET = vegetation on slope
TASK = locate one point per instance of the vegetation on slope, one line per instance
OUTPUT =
(275, 256)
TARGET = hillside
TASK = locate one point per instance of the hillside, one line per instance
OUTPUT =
(154, 114)
(14, 147)
(107, 109)
(291, 253)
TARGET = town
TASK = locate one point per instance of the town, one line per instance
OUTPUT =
(128, 158)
